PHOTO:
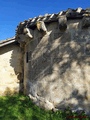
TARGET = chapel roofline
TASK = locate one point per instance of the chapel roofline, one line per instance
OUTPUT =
(7, 42)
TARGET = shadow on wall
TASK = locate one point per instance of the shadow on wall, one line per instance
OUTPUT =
(10, 59)
(66, 55)
(7, 49)
(62, 49)
(9, 92)
(16, 62)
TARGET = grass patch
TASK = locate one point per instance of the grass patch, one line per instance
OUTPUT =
(20, 107)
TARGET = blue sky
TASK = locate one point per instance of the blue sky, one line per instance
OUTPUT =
(15, 11)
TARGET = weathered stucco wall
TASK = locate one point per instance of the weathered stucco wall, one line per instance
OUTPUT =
(57, 71)
(10, 69)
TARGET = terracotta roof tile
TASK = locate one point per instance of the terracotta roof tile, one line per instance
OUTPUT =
(70, 13)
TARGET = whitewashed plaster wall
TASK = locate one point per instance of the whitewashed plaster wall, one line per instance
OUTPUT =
(10, 69)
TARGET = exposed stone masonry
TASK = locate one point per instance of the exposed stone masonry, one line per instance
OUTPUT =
(56, 50)
(52, 61)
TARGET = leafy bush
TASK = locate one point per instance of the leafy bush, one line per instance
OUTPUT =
(20, 107)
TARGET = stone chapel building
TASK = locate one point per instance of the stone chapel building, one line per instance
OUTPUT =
(49, 60)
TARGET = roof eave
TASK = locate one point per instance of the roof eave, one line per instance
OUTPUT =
(7, 42)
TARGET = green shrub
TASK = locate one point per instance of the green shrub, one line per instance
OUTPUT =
(20, 107)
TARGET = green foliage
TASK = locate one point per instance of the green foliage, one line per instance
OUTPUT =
(20, 107)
